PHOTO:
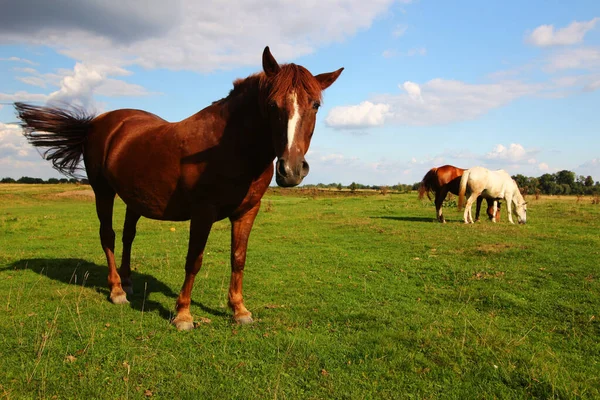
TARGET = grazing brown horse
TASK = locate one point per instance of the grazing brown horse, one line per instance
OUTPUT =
(444, 179)
(213, 165)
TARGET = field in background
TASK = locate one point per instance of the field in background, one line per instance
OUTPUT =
(355, 295)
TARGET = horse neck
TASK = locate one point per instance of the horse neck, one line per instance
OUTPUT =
(245, 125)
(518, 197)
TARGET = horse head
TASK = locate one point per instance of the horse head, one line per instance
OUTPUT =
(521, 209)
(291, 98)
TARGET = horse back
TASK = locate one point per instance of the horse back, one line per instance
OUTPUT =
(449, 176)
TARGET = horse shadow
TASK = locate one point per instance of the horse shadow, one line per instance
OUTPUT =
(75, 271)
(407, 219)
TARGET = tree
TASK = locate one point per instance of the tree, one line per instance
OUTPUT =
(564, 188)
(589, 181)
(7, 180)
(565, 177)
(547, 183)
(28, 179)
(353, 187)
(533, 184)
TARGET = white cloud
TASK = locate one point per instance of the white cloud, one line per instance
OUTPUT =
(18, 158)
(22, 96)
(78, 89)
(515, 153)
(436, 102)
(543, 167)
(413, 90)
(595, 85)
(545, 35)
(327, 167)
(590, 168)
(363, 115)
(18, 59)
(201, 36)
(12, 143)
(581, 58)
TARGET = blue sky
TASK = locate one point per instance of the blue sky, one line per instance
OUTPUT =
(511, 84)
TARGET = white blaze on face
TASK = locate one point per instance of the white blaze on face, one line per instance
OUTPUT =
(293, 121)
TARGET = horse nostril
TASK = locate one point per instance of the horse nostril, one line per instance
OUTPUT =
(281, 168)
(305, 168)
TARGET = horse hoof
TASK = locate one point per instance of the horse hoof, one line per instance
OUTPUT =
(120, 298)
(244, 319)
(128, 289)
(184, 325)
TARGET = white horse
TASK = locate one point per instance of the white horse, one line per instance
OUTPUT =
(496, 185)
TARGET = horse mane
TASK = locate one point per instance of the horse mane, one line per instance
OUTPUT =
(275, 88)
(426, 186)
(289, 77)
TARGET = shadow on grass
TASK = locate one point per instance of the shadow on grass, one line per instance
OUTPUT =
(73, 271)
(409, 219)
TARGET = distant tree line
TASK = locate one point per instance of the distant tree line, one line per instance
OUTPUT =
(400, 187)
(561, 182)
(28, 179)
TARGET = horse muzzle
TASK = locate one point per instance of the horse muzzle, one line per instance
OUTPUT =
(290, 174)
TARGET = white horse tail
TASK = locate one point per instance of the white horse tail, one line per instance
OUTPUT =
(463, 188)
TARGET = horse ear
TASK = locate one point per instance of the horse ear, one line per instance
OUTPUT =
(270, 65)
(326, 79)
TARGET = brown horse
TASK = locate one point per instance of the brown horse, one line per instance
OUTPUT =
(444, 179)
(213, 165)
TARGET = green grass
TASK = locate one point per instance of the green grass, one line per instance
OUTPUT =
(354, 297)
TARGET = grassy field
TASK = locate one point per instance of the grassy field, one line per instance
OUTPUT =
(354, 296)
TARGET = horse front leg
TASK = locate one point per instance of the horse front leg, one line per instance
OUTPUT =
(129, 230)
(509, 210)
(240, 232)
(478, 208)
(440, 196)
(200, 226)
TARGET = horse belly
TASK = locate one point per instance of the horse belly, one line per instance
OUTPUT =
(145, 172)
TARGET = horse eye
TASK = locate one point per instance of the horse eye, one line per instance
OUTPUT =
(316, 105)
(272, 105)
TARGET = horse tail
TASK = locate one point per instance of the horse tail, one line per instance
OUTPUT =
(62, 131)
(427, 185)
(462, 189)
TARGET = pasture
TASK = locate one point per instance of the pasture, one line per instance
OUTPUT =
(354, 296)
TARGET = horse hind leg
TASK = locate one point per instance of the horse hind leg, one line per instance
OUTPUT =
(129, 231)
(105, 199)
(468, 216)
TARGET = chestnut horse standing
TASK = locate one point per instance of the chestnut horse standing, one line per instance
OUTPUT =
(444, 179)
(213, 165)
